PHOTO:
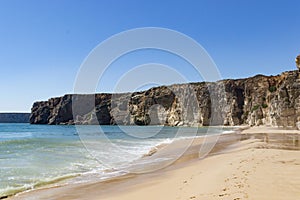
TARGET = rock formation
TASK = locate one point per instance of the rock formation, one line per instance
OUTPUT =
(297, 60)
(259, 100)
(14, 117)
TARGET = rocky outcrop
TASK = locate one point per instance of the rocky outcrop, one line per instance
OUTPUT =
(259, 100)
(14, 117)
(297, 60)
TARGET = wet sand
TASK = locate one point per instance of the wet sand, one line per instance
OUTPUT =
(259, 163)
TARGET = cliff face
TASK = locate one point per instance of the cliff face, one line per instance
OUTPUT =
(259, 100)
(14, 117)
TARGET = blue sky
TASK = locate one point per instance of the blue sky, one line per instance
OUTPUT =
(44, 42)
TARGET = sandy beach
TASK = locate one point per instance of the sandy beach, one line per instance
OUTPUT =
(149, 100)
(257, 163)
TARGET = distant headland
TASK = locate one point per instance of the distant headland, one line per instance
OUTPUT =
(14, 117)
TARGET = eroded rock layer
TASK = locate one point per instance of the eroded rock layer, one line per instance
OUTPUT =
(259, 100)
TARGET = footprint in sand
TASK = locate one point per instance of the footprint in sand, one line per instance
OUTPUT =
(224, 189)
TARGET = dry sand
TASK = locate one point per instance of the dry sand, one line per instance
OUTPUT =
(252, 165)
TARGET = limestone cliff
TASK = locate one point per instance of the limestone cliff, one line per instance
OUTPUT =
(259, 100)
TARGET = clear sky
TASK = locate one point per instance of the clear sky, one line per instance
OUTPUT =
(44, 42)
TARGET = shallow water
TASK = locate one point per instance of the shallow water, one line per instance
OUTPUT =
(36, 155)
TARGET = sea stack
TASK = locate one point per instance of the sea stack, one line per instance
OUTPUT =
(297, 60)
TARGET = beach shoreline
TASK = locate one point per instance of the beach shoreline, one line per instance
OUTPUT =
(220, 175)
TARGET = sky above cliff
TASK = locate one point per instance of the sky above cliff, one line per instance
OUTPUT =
(43, 43)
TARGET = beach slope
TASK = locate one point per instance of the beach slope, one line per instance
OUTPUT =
(255, 164)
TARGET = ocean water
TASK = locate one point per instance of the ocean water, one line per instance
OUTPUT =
(37, 155)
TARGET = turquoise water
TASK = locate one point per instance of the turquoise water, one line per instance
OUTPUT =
(35, 155)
